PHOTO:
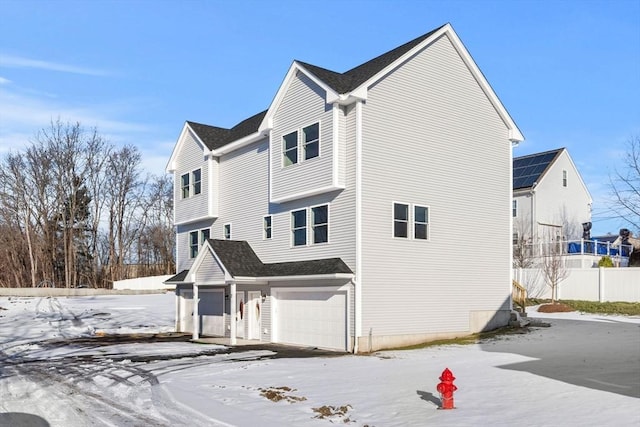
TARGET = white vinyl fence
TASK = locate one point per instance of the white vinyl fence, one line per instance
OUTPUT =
(587, 284)
(149, 282)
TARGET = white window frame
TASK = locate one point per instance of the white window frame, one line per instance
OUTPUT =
(312, 226)
(194, 248)
(293, 228)
(226, 231)
(301, 145)
(565, 178)
(203, 232)
(195, 191)
(426, 224)
(514, 208)
(267, 232)
(410, 221)
(185, 188)
(309, 226)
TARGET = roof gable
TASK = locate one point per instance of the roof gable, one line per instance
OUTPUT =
(529, 170)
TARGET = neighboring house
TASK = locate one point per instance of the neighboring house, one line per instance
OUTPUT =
(550, 200)
(362, 210)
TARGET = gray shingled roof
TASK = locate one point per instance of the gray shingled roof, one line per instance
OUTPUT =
(240, 260)
(528, 170)
(216, 137)
(349, 80)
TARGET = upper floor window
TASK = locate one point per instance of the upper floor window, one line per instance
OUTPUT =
(290, 149)
(311, 141)
(405, 214)
(421, 222)
(191, 183)
(564, 178)
(299, 227)
(227, 231)
(400, 220)
(196, 175)
(319, 229)
(309, 145)
(193, 244)
(514, 208)
(515, 238)
(266, 226)
(184, 184)
(320, 223)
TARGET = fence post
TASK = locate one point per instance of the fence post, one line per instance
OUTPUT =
(601, 284)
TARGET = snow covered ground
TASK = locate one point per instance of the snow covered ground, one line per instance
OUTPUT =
(79, 383)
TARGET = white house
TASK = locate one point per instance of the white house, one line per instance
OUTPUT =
(550, 199)
(345, 215)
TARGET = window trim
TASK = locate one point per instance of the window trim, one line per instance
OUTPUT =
(306, 143)
(293, 228)
(196, 184)
(204, 231)
(194, 249)
(267, 232)
(393, 219)
(285, 150)
(185, 187)
(224, 231)
(312, 227)
(415, 221)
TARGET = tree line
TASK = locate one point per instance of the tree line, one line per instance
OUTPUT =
(76, 210)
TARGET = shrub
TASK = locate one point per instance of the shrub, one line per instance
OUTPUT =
(605, 261)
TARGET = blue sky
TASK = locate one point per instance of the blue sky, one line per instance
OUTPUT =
(567, 71)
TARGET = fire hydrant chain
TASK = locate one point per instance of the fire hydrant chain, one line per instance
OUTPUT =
(446, 389)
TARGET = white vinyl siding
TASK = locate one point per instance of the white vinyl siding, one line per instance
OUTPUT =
(191, 188)
(434, 110)
(302, 107)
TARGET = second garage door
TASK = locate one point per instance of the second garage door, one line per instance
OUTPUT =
(311, 318)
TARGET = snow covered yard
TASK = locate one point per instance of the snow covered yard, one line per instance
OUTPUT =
(71, 382)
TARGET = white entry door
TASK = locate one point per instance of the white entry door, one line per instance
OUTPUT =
(254, 306)
(186, 311)
(311, 318)
(241, 310)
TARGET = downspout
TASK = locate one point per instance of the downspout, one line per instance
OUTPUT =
(357, 280)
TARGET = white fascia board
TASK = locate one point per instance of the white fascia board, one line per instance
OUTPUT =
(242, 280)
(514, 134)
(242, 142)
(309, 193)
(333, 276)
(171, 165)
(192, 220)
(267, 122)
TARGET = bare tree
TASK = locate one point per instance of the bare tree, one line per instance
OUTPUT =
(523, 249)
(553, 264)
(625, 185)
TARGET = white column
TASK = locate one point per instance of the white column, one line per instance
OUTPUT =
(196, 317)
(233, 311)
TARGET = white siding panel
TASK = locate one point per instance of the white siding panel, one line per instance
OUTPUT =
(431, 137)
(209, 271)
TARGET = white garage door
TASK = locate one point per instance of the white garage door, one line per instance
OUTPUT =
(211, 312)
(311, 318)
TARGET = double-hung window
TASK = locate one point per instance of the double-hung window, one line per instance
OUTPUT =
(311, 141)
(320, 217)
(514, 208)
(400, 220)
(405, 214)
(191, 183)
(197, 178)
(290, 149)
(299, 227)
(564, 178)
(204, 235)
(421, 222)
(193, 244)
(227, 231)
(266, 227)
(184, 185)
(300, 145)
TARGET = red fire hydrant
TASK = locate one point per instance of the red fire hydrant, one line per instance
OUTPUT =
(446, 389)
